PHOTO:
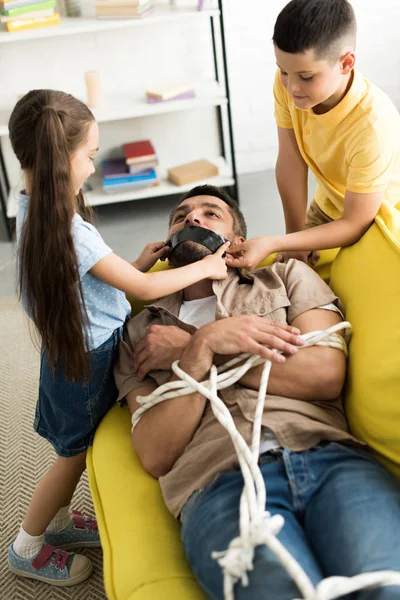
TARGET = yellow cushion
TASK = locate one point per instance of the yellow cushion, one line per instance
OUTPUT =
(142, 549)
(143, 554)
(366, 277)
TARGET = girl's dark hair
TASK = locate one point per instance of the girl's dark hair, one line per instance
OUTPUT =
(46, 127)
(317, 24)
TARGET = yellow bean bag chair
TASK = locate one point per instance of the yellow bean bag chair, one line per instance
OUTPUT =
(142, 549)
(366, 277)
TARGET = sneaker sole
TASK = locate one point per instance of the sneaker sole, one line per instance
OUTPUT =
(73, 545)
(63, 583)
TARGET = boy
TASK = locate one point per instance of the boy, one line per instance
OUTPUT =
(332, 120)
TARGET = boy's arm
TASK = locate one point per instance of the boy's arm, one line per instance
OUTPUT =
(291, 177)
(359, 213)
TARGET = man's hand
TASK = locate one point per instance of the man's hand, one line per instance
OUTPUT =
(249, 333)
(152, 252)
(158, 349)
(306, 256)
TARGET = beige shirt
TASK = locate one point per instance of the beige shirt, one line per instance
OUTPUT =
(281, 292)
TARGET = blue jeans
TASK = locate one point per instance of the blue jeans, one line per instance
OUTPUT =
(342, 517)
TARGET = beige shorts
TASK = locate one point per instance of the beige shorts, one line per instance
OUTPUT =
(315, 216)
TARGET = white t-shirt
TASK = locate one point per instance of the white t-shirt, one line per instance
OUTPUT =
(202, 312)
(198, 312)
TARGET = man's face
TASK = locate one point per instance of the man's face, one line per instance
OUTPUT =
(312, 82)
(200, 211)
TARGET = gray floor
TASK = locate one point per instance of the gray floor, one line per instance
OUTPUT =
(127, 227)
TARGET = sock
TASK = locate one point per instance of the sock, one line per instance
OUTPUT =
(26, 545)
(61, 520)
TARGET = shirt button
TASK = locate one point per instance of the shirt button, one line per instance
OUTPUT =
(262, 311)
(307, 132)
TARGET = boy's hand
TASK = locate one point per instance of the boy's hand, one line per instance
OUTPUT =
(249, 254)
(215, 263)
(306, 256)
(152, 252)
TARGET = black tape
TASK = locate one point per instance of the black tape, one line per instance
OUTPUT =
(203, 236)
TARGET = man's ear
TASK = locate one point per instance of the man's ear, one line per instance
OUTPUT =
(238, 239)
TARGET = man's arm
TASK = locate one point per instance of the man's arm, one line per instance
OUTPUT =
(291, 177)
(316, 373)
(165, 430)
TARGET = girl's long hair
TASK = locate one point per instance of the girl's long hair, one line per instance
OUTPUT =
(46, 127)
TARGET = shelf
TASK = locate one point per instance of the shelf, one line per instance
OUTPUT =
(97, 197)
(77, 26)
(120, 107)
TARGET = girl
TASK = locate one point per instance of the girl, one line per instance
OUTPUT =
(73, 287)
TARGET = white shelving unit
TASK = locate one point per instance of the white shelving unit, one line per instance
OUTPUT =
(79, 25)
(213, 93)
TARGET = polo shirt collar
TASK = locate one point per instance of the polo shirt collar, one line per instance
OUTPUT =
(339, 112)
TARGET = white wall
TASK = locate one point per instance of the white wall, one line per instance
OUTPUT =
(131, 59)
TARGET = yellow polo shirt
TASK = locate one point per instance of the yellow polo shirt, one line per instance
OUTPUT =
(355, 146)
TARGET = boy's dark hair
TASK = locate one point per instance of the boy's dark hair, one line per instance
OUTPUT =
(317, 24)
(239, 223)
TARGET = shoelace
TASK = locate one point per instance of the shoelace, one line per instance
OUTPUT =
(59, 560)
(81, 522)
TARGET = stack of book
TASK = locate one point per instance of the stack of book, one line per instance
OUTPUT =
(137, 170)
(168, 93)
(16, 15)
(122, 9)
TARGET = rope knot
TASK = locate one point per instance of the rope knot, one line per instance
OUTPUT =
(237, 560)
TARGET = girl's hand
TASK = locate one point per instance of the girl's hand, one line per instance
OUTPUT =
(306, 256)
(249, 254)
(215, 263)
(153, 251)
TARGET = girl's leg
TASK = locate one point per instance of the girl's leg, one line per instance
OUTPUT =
(54, 491)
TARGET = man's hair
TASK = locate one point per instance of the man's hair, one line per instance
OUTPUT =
(317, 24)
(239, 223)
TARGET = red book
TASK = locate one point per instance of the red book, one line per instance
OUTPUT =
(140, 151)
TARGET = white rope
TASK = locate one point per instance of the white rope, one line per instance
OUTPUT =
(256, 525)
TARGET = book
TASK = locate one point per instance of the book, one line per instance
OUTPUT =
(184, 96)
(15, 12)
(139, 152)
(7, 5)
(30, 15)
(110, 3)
(147, 164)
(121, 10)
(165, 92)
(147, 175)
(21, 24)
(116, 168)
(192, 171)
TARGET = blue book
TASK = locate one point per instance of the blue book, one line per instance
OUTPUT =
(146, 175)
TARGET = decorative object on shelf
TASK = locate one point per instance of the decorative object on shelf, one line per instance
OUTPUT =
(126, 106)
(72, 8)
(200, 5)
(17, 15)
(182, 91)
(192, 171)
(93, 89)
(109, 9)
(137, 170)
